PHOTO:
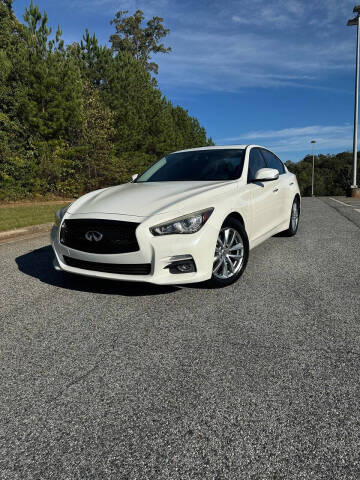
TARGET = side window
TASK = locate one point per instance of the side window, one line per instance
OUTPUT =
(256, 162)
(273, 161)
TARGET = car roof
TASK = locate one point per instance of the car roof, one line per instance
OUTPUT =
(218, 147)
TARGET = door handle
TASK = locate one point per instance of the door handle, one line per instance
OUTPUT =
(275, 190)
(292, 183)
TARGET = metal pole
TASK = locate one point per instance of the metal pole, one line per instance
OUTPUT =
(313, 168)
(356, 109)
(313, 171)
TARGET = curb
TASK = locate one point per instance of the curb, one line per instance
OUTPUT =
(20, 232)
(30, 203)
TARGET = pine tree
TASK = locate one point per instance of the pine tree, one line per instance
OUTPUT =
(96, 139)
(139, 42)
(83, 116)
(52, 107)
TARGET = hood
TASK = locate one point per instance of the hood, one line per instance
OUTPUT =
(141, 199)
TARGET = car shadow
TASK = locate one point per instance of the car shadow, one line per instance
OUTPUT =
(39, 264)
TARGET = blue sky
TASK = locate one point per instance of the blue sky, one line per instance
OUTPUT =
(277, 73)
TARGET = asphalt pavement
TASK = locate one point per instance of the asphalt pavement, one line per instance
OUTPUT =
(260, 380)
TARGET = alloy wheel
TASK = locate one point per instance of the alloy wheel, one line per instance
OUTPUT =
(229, 253)
(294, 216)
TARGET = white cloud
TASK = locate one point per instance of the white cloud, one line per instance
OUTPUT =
(278, 14)
(298, 139)
(229, 45)
(230, 61)
(106, 7)
(311, 131)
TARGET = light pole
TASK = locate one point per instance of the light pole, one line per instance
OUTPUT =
(355, 191)
(313, 168)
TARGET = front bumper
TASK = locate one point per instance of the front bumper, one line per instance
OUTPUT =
(158, 251)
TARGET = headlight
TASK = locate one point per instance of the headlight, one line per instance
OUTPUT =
(187, 224)
(59, 215)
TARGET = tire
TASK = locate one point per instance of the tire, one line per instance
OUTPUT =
(227, 257)
(294, 220)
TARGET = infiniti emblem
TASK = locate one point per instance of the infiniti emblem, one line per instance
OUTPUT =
(93, 236)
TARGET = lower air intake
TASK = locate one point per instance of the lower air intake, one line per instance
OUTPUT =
(121, 269)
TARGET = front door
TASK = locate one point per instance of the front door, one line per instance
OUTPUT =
(272, 161)
(265, 199)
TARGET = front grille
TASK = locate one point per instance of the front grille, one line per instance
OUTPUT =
(123, 269)
(116, 237)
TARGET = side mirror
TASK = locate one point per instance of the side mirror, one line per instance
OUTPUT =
(266, 175)
(134, 177)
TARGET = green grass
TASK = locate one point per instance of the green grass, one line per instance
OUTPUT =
(26, 215)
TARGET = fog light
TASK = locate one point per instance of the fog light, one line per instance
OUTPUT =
(185, 267)
(182, 266)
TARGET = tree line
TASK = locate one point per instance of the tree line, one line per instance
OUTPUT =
(333, 174)
(78, 117)
(74, 118)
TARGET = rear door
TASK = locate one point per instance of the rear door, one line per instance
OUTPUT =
(265, 205)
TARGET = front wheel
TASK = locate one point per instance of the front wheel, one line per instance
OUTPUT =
(231, 254)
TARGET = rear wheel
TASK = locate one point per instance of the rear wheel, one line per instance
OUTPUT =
(231, 254)
(294, 219)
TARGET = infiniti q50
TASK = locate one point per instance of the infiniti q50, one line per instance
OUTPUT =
(193, 216)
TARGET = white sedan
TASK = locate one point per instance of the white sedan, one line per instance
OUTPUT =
(193, 216)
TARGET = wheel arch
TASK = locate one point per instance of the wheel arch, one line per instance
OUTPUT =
(237, 216)
(297, 197)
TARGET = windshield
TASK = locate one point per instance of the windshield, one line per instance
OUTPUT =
(199, 165)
